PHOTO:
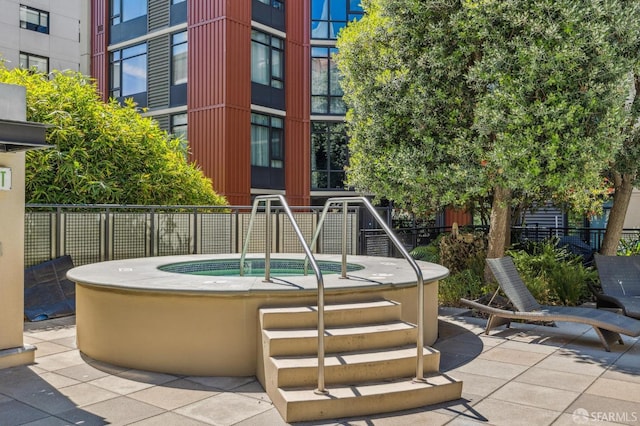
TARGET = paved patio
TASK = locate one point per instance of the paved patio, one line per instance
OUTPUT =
(526, 375)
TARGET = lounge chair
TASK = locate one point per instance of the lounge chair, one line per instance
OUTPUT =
(620, 282)
(608, 325)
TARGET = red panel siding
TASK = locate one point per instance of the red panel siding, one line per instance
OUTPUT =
(298, 95)
(219, 93)
(99, 42)
(461, 217)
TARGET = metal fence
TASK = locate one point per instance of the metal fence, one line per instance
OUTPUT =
(97, 233)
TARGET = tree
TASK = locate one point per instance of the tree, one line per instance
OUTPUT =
(103, 152)
(624, 173)
(451, 101)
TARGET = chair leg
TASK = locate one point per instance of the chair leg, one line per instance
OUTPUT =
(495, 321)
(608, 337)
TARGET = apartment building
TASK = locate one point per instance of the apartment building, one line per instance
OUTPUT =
(249, 83)
(45, 34)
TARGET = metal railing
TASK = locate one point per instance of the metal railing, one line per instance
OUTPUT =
(344, 201)
(267, 268)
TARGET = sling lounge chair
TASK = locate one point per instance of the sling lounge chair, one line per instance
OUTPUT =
(608, 325)
(620, 282)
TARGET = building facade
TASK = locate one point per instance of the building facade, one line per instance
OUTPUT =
(45, 34)
(249, 83)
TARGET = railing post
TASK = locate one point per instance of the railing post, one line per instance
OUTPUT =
(344, 240)
(267, 252)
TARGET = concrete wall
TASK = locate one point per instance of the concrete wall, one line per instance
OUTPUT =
(12, 350)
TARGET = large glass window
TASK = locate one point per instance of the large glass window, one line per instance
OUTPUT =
(179, 58)
(34, 19)
(267, 59)
(126, 10)
(267, 141)
(326, 93)
(129, 71)
(329, 155)
(34, 62)
(328, 17)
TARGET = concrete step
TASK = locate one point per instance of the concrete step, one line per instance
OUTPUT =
(353, 367)
(334, 315)
(339, 339)
(303, 404)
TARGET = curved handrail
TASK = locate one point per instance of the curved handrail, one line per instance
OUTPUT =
(309, 256)
(420, 279)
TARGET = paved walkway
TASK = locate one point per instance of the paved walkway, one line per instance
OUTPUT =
(526, 375)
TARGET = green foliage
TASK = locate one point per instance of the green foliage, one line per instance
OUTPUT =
(104, 152)
(466, 283)
(428, 253)
(629, 247)
(552, 274)
(450, 99)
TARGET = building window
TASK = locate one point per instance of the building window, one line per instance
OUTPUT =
(329, 155)
(177, 1)
(276, 4)
(126, 10)
(267, 141)
(129, 71)
(328, 17)
(179, 58)
(34, 19)
(179, 125)
(267, 59)
(326, 93)
(34, 62)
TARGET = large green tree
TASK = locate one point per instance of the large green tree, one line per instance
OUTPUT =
(624, 172)
(103, 152)
(451, 101)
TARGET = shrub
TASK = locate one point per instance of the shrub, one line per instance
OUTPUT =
(552, 273)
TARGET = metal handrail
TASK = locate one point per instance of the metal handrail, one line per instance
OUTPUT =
(267, 268)
(420, 280)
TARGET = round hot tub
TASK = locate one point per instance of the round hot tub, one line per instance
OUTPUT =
(196, 315)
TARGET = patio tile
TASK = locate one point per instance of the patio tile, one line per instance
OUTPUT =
(528, 347)
(85, 394)
(172, 395)
(467, 344)
(498, 412)
(535, 396)
(16, 413)
(485, 367)
(172, 419)
(82, 372)
(48, 421)
(60, 360)
(578, 418)
(224, 409)
(479, 385)
(121, 410)
(49, 348)
(19, 381)
(69, 342)
(555, 379)
(626, 391)
(52, 333)
(120, 384)
(222, 383)
(502, 354)
(569, 364)
(411, 417)
(270, 417)
(253, 390)
(608, 409)
(149, 377)
(624, 375)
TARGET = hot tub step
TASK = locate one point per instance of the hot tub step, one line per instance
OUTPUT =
(340, 339)
(353, 367)
(303, 404)
(334, 315)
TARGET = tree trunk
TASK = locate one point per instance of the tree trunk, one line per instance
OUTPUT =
(500, 222)
(623, 185)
